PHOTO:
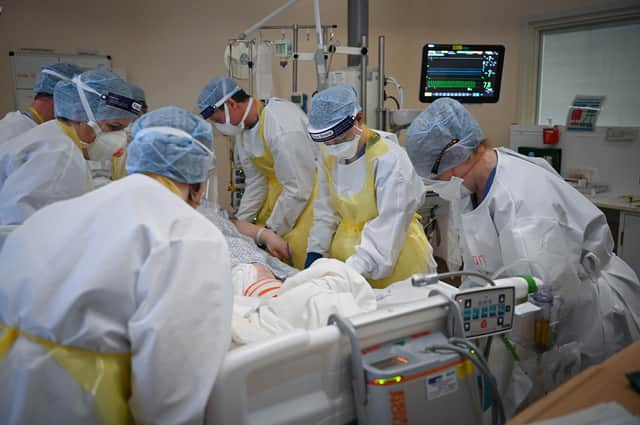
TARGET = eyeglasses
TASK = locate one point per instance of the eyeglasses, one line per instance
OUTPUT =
(436, 165)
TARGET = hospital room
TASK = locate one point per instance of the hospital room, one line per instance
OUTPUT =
(320, 212)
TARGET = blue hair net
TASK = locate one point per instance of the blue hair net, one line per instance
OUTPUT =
(330, 106)
(176, 156)
(137, 93)
(50, 74)
(444, 120)
(67, 102)
(216, 92)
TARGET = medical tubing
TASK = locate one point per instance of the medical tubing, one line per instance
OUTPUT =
(399, 90)
(499, 417)
(392, 98)
(463, 353)
(487, 348)
(510, 347)
(464, 343)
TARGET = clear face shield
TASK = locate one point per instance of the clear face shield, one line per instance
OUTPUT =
(106, 144)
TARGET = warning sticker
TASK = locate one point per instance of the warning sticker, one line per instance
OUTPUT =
(441, 384)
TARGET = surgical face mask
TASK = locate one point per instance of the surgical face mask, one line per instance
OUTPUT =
(106, 144)
(229, 129)
(345, 150)
(451, 190)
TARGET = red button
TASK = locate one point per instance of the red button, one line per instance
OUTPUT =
(483, 324)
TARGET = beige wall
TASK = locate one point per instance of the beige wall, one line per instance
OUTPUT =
(172, 48)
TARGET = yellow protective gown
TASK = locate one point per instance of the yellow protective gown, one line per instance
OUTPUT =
(89, 335)
(106, 376)
(358, 210)
(265, 164)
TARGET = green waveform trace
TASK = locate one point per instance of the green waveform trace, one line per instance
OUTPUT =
(451, 84)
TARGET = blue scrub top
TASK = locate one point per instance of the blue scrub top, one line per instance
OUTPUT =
(487, 188)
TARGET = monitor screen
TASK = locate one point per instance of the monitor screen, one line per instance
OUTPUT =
(468, 73)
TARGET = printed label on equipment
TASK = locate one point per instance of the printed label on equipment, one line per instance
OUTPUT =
(441, 384)
(398, 408)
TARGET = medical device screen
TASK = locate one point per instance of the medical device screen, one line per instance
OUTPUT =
(467, 73)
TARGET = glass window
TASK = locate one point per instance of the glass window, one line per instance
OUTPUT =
(599, 61)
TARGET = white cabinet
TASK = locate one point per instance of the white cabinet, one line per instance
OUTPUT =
(629, 240)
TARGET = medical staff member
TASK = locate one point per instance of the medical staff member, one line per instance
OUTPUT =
(368, 194)
(275, 152)
(47, 163)
(116, 167)
(41, 109)
(115, 307)
(516, 211)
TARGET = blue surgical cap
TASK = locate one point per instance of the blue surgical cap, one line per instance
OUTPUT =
(67, 103)
(331, 106)
(179, 158)
(440, 123)
(52, 73)
(137, 93)
(216, 92)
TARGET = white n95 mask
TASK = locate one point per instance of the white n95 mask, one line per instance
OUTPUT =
(345, 150)
(106, 144)
(229, 129)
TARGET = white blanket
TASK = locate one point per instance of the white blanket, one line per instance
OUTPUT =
(305, 301)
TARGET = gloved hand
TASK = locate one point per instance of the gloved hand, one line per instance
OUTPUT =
(311, 257)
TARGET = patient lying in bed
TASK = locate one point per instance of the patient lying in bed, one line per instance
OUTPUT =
(271, 297)
(303, 301)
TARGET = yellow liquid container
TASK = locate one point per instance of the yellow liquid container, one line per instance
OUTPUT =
(543, 339)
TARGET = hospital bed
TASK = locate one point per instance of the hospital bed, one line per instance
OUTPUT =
(304, 377)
